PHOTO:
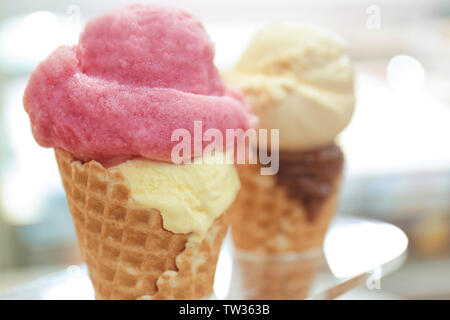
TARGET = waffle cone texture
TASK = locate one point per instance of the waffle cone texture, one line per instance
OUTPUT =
(265, 219)
(275, 277)
(278, 244)
(128, 253)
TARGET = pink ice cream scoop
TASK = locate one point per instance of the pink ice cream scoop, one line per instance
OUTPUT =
(136, 75)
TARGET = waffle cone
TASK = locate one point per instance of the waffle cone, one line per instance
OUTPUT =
(265, 219)
(274, 277)
(128, 253)
(277, 243)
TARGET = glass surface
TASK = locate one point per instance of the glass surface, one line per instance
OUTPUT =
(356, 252)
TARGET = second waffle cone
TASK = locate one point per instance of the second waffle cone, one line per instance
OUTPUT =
(278, 243)
(266, 220)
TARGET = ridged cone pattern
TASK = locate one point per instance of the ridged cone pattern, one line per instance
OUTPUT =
(275, 277)
(267, 223)
(265, 219)
(128, 252)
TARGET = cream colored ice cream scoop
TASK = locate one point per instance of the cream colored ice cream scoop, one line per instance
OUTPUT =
(189, 197)
(298, 79)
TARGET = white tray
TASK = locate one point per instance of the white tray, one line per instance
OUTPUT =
(356, 252)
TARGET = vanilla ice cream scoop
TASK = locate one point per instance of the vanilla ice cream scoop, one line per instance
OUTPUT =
(298, 79)
(189, 197)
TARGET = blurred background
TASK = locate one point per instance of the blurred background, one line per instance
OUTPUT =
(397, 146)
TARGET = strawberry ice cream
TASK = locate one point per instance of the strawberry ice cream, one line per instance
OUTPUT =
(136, 75)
